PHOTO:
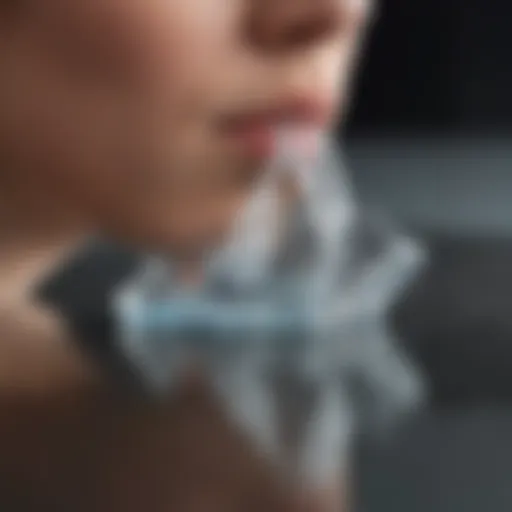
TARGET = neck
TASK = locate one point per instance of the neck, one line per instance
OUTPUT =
(32, 213)
(34, 232)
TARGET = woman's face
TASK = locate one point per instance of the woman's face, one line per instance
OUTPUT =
(154, 117)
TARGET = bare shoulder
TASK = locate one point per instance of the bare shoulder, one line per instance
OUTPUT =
(65, 434)
(48, 394)
(37, 355)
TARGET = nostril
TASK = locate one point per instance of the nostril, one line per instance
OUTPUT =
(292, 33)
(306, 32)
(287, 25)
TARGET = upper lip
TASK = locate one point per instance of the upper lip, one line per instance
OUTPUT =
(308, 111)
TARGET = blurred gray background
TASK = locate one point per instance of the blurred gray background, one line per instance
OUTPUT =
(429, 143)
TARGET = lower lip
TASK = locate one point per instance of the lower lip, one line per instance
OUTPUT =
(256, 140)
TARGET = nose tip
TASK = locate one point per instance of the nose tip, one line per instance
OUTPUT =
(288, 24)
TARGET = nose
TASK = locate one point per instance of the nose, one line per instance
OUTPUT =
(284, 25)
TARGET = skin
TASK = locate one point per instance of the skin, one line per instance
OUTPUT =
(112, 118)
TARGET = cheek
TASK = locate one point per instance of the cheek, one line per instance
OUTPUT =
(183, 47)
(109, 98)
(89, 75)
(137, 46)
(96, 42)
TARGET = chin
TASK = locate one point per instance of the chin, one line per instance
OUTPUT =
(181, 231)
(165, 240)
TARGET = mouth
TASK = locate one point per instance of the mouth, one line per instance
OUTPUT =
(254, 130)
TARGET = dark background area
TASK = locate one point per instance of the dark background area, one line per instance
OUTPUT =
(428, 142)
(437, 66)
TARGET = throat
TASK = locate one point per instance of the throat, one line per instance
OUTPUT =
(34, 235)
(29, 216)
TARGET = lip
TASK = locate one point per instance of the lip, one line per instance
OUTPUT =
(254, 129)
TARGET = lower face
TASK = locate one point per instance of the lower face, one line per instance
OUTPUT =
(153, 118)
